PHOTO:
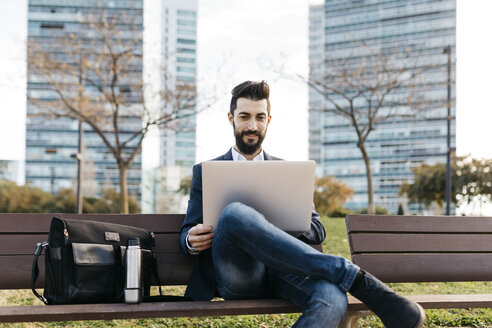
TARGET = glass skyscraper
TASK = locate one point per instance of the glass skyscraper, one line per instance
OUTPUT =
(179, 38)
(345, 30)
(171, 65)
(50, 142)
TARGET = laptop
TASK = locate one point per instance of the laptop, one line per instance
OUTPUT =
(281, 190)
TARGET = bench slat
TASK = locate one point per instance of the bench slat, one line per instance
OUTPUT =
(462, 301)
(444, 224)
(24, 244)
(426, 267)
(380, 242)
(143, 310)
(439, 301)
(40, 223)
(20, 244)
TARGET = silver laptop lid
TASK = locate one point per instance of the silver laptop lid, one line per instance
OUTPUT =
(281, 190)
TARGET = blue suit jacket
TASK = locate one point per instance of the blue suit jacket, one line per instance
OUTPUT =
(202, 284)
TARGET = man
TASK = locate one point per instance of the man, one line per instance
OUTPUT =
(247, 257)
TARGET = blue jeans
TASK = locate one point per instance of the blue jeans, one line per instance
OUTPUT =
(252, 258)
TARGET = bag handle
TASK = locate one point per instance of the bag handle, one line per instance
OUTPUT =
(35, 270)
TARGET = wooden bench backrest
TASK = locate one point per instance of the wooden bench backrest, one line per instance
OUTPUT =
(19, 234)
(422, 248)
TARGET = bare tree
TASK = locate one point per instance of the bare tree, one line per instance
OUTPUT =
(368, 88)
(95, 76)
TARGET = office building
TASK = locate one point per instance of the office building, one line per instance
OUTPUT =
(179, 26)
(350, 30)
(52, 142)
(171, 66)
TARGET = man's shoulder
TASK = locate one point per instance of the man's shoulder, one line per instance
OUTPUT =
(270, 157)
(225, 157)
(220, 158)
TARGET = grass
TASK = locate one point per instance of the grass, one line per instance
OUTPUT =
(335, 243)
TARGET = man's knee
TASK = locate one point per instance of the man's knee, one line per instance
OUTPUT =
(237, 214)
(233, 209)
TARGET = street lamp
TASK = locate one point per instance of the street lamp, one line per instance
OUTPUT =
(80, 149)
(52, 169)
(447, 51)
(79, 156)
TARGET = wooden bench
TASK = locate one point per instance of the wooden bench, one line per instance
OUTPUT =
(422, 249)
(394, 248)
(19, 234)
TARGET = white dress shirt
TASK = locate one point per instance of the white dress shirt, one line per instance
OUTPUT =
(237, 156)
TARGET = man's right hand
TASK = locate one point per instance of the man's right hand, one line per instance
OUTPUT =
(200, 237)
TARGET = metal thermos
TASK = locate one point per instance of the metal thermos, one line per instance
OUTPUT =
(133, 264)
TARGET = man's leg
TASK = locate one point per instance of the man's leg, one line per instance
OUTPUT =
(249, 231)
(323, 304)
(240, 276)
(245, 229)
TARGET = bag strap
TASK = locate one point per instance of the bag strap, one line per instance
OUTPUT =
(161, 297)
(35, 270)
(156, 273)
(154, 264)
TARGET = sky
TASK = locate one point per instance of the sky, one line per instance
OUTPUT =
(474, 76)
(246, 40)
(13, 29)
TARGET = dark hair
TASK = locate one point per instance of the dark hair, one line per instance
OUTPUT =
(250, 90)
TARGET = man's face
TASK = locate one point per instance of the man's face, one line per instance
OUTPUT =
(250, 122)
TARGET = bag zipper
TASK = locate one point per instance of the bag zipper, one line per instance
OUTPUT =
(65, 233)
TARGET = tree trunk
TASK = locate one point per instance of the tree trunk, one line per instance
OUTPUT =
(371, 208)
(124, 208)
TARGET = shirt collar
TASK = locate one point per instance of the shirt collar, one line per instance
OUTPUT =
(237, 156)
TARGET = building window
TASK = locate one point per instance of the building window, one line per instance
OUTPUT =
(188, 13)
(186, 69)
(186, 23)
(50, 25)
(186, 51)
(186, 60)
(186, 41)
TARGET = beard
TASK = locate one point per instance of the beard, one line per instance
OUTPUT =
(246, 147)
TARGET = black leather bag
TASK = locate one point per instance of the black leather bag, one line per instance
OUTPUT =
(84, 261)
